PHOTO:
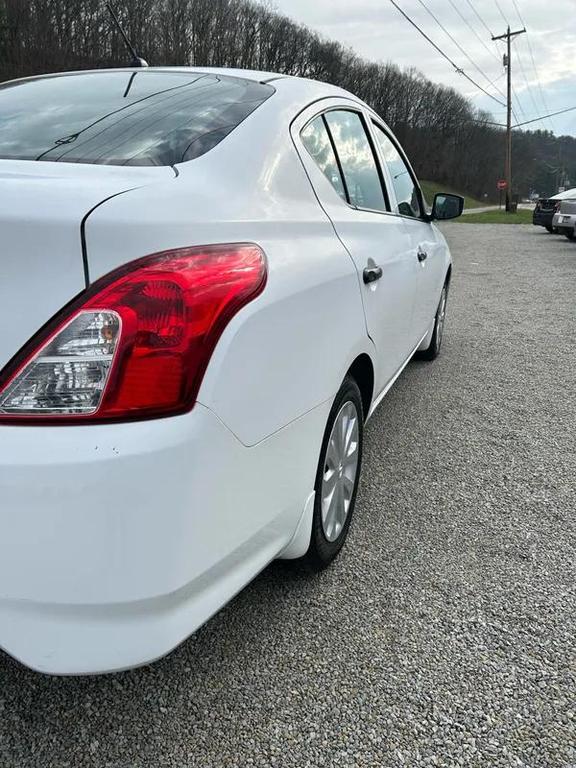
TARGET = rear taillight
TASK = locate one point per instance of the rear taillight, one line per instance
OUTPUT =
(137, 343)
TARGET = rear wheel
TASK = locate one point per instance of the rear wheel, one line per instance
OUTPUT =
(550, 229)
(337, 476)
(569, 235)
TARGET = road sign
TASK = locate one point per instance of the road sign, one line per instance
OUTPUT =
(502, 184)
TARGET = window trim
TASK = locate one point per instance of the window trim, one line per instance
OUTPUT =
(424, 216)
(336, 157)
(375, 154)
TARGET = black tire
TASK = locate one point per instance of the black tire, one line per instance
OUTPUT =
(569, 235)
(322, 550)
(437, 334)
(550, 229)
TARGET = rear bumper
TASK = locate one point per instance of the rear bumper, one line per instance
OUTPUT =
(564, 222)
(85, 639)
(119, 541)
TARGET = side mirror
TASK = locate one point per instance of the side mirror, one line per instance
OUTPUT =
(447, 206)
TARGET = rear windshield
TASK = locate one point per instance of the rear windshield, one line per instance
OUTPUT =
(123, 118)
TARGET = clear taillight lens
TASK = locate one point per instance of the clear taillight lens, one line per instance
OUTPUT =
(137, 343)
(68, 374)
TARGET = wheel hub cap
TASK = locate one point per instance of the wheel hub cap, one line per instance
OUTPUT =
(340, 469)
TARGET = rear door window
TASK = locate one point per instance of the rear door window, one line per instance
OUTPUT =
(123, 118)
(357, 160)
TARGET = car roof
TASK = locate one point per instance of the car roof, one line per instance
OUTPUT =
(299, 88)
(304, 84)
(260, 76)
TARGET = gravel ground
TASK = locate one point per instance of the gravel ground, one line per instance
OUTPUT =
(445, 633)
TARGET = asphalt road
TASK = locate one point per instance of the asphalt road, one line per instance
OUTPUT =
(445, 634)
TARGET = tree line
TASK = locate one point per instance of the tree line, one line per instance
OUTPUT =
(447, 139)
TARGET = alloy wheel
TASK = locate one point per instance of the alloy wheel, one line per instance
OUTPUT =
(340, 471)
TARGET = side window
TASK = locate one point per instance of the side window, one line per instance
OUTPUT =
(404, 187)
(357, 160)
(317, 141)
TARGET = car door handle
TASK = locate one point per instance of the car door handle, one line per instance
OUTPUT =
(371, 274)
(422, 255)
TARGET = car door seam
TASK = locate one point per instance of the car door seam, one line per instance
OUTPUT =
(85, 263)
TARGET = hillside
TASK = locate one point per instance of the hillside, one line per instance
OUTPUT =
(431, 188)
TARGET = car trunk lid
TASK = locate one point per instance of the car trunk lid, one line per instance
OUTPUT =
(568, 206)
(42, 209)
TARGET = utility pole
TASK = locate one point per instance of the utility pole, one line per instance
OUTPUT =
(508, 36)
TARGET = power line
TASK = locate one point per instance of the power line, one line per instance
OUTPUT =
(531, 52)
(552, 114)
(518, 12)
(458, 69)
(539, 82)
(460, 48)
(501, 13)
(491, 51)
(526, 122)
(518, 105)
(487, 122)
(517, 51)
(528, 87)
(494, 55)
(480, 19)
(471, 28)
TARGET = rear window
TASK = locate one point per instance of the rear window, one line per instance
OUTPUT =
(123, 118)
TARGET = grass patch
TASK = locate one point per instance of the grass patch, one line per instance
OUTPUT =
(497, 217)
(431, 188)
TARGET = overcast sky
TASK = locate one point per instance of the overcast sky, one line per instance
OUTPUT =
(377, 31)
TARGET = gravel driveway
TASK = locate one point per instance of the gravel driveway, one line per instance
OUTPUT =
(445, 633)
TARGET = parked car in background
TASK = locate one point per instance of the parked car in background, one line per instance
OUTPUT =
(547, 207)
(210, 279)
(564, 220)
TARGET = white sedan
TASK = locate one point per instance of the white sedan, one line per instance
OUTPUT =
(564, 221)
(210, 279)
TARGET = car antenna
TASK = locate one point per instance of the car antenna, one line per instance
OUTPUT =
(136, 60)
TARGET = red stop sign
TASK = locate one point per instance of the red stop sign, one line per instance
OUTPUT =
(502, 184)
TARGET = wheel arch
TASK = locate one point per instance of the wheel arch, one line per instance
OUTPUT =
(362, 371)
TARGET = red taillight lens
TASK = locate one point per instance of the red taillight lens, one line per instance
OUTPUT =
(137, 343)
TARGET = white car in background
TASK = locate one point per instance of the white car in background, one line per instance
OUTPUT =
(564, 220)
(210, 279)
